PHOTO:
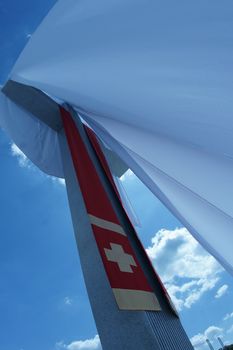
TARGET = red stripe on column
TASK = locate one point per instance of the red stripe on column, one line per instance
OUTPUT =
(94, 141)
(95, 198)
(101, 157)
(135, 280)
(121, 265)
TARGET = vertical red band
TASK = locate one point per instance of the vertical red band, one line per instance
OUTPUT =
(101, 157)
(121, 265)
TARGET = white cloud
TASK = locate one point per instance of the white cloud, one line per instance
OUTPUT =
(26, 163)
(88, 344)
(221, 291)
(227, 316)
(211, 333)
(56, 180)
(22, 159)
(60, 181)
(198, 340)
(68, 301)
(127, 175)
(230, 330)
(185, 268)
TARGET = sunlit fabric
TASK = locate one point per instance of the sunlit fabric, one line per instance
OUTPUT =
(154, 79)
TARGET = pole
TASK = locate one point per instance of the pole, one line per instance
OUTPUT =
(220, 342)
(118, 329)
(139, 316)
(209, 344)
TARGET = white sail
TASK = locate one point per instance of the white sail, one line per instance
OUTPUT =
(155, 81)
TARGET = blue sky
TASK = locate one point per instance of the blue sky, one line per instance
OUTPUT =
(43, 302)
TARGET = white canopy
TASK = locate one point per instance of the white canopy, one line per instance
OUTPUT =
(154, 80)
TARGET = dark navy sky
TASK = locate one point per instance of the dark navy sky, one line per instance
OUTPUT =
(43, 302)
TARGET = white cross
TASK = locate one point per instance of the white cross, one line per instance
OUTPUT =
(116, 254)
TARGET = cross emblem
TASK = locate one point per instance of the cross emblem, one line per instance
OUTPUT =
(116, 254)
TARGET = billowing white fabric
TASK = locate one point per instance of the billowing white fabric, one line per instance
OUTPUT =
(34, 138)
(154, 79)
(194, 185)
